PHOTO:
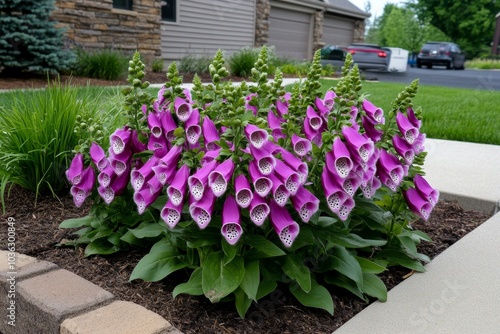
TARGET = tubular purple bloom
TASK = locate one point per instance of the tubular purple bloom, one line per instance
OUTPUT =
(243, 192)
(263, 160)
(258, 209)
(279, 191)
(220, 177)
(210, 133)
(136, 145)
(301, 146)
(255, 135)
(115, 188)
(172, 156)
(144, 198)
(275, 125)
(177, 188)
(199, 179)
(104, 178)
(418, 144)
(98, 156)
(120, 162)
(404, 149)
(281, 107)
(349, 184)
(139, 176)
(261, 184)
(338, 160)
(119, 140)
(271, 147)
(288, 176)
(154, 124)
(75, 170)
(371, 131)
(358, 144)
(296, 164)
(335, 195)
(82, 190)
(210, 156)
(171, 213)
(164, 173)
(283, 224)
(231, 228)
(346, 208)
(160, 99)
(201, 211)
(314, 120)
(413, 119)
(425, 190)
(305, 203)
(417, 204)
(390, 170)
(158, 145)
(187, 94)
(374, 114)
(408, 130)
(248, 105)
(193, 128)
(168, 124)
(370, 187)
(154, 185)
(309, 131)
(354, 113)
(183, 108)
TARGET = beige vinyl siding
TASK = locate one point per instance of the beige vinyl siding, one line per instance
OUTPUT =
(338, 30)
(203, 27)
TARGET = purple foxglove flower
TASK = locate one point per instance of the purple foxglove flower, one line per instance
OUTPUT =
(346, 208)
(418, 144)
(283, 224)
(404, 149)
(144, 198)
(371, 131)
(243, 192)
(370, 186)
(408, 130)
(160, 99)
(296, 164)
(358, 144)
(220, 177)
(210, 156)
(177, 188)
(305, 203)
(315, 121)
(338, 160)
(136, 145)
(158, 145)
(120, 162)
(390, 170)
(98, 156)
(168, 124)
(119, 140)
(288, 176)
(210, 133)
(231, 224)
(164, 174)
(264, 160)
(183, 109)
(172, 156)
(201, 211)
(193, 128)
(281, 107)
(154, 124)
(279, 191)
(187, 94)
(75, 170)
(115, 188)
(275, 125)
(154, 185)
(375, 114)
(425, 190)
(248, 104)
(139, 176)
(261, 184)
(413, 119)
(309, 131)
(417, 204)
(270, 147)
(335, 195)
(105, 177)
(255, 135)
(199, 179)
(354, 113)
(258, 209)
(300, 145)
(350, 184)
(83, 189)
(171, 213)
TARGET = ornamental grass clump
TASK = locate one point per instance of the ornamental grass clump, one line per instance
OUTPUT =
(247, 187)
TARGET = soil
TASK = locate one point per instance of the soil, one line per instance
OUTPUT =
(37, 235)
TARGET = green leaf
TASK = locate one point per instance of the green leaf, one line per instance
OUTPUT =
(419, 235)
(191, 287)
(408, 245)
(132, 240)
(219, 280)
(159, 203)
(355, 241)
(305, 237)
(77, 222)
(398, 257)
(148, 230)
(242, 302)
(369, 266)
(347, 264)
(373, 286)
(262, 247)
(229, 250)
(250, 283)
(266, 287)
(161, 261)
(100, 246)
(346, 283)
(295, 268)
(318, 296)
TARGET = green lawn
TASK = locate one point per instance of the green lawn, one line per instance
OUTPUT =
(449, 113)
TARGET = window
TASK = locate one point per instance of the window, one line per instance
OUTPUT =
(122, 4)
(169, 10)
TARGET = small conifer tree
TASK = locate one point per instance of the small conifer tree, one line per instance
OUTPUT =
(29, 42)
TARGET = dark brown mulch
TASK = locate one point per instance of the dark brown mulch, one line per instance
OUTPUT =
(38, 233)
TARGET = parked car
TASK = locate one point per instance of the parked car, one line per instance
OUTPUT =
(367, 56)
(441, 54)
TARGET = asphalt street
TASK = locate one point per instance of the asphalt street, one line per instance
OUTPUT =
(440, 76)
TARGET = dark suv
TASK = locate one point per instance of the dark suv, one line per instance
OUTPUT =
(441, 53)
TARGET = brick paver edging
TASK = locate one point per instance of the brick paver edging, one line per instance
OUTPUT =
(39, 297)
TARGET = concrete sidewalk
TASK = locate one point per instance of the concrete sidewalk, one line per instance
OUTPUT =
(460, 291)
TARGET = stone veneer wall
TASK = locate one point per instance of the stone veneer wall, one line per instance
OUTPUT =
(95, 24)
(262, 12)
(359, 31)
(318, 30)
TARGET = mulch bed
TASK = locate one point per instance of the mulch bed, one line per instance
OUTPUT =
(38, 233)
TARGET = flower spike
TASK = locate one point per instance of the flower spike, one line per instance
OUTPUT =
(231, 225)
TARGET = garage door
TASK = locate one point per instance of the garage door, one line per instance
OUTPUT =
(290, 32)
(338, 30)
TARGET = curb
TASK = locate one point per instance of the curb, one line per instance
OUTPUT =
(40, 297)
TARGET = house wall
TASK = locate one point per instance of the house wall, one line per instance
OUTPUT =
(95, 24)
(203, 27)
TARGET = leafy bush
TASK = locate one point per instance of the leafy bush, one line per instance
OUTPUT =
(242, 62)
(157, 65)
(262, 187)
(483, 64)
(192, 64)
(102, 64)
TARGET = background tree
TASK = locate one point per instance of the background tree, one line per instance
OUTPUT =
(28, 40)
(470, 23)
